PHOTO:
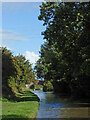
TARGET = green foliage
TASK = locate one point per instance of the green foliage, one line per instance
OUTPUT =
(25, 73)
(25, 109)
(16, 73)
(48, 86)
(65, 53)
(37, 87)
(8, 69)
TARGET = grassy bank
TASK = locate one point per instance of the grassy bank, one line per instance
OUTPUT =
(27, 107)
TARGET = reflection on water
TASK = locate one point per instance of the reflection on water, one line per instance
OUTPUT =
(53, 106)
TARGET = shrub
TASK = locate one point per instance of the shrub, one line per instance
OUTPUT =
(38, 86)
(48, 86)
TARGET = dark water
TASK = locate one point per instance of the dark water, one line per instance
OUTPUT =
(54, 106)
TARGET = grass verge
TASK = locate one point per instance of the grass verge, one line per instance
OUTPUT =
(26, 108)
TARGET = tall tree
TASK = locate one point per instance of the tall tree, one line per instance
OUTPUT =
(16, 73)
(66, 49)
(8, 70)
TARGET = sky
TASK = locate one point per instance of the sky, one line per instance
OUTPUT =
(21, 29)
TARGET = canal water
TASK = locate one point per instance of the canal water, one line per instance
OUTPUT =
(54, 106)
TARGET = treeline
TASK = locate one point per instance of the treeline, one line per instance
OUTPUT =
(16, 73)
(64, 56)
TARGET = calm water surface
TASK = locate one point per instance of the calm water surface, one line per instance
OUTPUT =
(54, 106)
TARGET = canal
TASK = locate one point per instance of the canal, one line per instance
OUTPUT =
(54, 106)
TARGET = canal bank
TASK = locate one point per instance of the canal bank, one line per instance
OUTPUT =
(54, 106)
(25, 108)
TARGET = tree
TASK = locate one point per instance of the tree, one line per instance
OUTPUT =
(66, 47)
(27, 74)
(16, 73)
(8, 70)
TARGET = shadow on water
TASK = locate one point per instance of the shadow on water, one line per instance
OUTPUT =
(53, 106)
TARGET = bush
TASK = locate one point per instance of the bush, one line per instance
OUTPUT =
(38, 87)
(48, 86)
(32, 87)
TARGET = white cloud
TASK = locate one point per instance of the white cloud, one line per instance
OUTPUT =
(31, 56)
(8, 37)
